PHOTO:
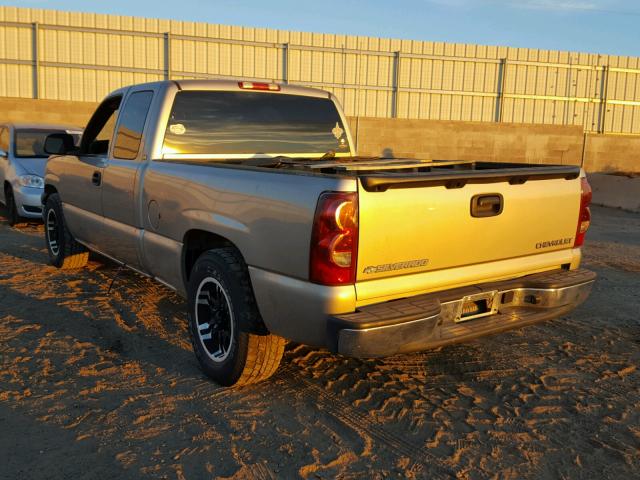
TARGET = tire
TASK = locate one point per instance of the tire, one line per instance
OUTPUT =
(13, 217)
(64, 251)
(221, 309)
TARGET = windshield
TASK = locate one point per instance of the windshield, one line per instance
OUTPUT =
(250, 123)
(30, 142)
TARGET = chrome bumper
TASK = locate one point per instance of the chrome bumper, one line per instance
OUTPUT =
(437, 319)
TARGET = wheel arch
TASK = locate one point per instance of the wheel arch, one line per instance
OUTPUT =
(195, 243)
(48, 191)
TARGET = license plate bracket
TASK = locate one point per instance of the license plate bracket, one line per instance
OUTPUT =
(477, 305)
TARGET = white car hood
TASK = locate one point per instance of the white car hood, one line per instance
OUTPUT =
(31, 165)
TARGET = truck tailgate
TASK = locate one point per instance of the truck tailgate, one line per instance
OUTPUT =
(405, 231)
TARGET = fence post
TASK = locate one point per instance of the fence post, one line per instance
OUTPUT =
(396, 84)
(36, 59)
(285, 63)
(502, 71)
(167, 55)
(604, 91)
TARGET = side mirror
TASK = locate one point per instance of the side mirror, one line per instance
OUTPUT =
(3, 154)
(59, 144)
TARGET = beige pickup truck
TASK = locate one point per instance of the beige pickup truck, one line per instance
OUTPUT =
(249, 200)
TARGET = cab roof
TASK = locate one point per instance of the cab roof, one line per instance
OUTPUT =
(228, 85)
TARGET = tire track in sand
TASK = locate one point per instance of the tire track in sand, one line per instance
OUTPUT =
(423, 463)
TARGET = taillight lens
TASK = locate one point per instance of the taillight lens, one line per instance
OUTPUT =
(334, 239)
(584, 219)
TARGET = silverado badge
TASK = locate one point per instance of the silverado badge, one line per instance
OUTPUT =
(388, 267)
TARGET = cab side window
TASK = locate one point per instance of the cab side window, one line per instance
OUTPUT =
(129, 135)
(99, 131)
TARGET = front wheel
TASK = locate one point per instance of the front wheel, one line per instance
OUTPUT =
(64, 251)
(13, 217)
(221, 306)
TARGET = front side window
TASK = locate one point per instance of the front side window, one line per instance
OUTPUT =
(250, 123)
(99, 131)
(129, 134)
(29, 142)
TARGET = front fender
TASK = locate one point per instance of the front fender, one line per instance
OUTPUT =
(53, 172)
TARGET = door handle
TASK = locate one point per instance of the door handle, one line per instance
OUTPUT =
(487, 205)
(96, 179)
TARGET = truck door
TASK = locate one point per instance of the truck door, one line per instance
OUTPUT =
(82, 182)
(119, 186)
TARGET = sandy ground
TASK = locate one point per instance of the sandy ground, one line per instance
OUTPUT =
(98, 386)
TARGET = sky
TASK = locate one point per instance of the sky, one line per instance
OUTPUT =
(594, 26)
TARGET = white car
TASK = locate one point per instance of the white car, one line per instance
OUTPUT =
(22, 165)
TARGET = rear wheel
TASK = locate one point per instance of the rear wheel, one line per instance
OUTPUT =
(64, 251)
(221, 307)
(13, 217)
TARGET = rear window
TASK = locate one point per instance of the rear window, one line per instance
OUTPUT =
(232, 123)
(30, 142)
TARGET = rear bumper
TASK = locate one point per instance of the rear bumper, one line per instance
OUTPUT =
(436, 319)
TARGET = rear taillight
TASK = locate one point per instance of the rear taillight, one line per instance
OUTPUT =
(274, 87)
(584, 219)
(334, 239)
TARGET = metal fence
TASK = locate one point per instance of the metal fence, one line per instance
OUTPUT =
(74, 56)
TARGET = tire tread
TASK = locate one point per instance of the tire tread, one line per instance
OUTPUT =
(263, 358)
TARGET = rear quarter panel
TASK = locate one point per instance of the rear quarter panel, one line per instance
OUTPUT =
(267, 215)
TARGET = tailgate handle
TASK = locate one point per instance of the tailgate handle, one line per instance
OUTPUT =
(486, 205)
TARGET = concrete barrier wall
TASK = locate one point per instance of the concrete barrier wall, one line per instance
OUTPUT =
(45, 111)
(429, 139)
(612, 153)
(437, 140)
(509, 142)
(618, 191)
